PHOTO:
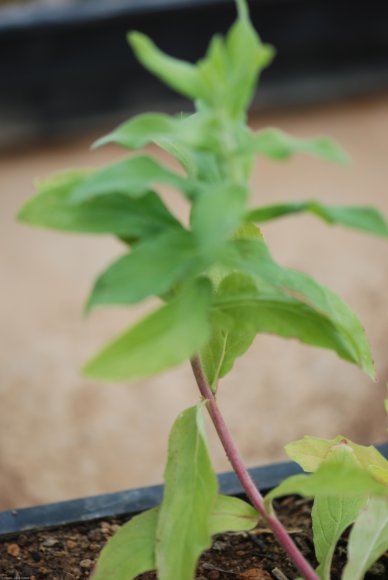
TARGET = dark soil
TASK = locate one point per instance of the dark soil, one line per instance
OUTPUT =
(69, 553)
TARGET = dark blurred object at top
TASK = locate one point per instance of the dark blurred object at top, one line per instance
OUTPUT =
(65, 65)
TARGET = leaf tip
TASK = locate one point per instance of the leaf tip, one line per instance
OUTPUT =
(21, 215)
(135, 39)
(369, 368)
(89, 370)
(242, 9)
(100, 142)
(344, 158)
(88, 307)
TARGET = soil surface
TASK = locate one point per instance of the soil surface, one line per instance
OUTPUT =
(70, 552)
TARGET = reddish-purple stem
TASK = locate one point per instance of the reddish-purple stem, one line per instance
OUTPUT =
(245, 479)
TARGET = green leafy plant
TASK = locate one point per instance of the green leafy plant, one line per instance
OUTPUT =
(218, 286)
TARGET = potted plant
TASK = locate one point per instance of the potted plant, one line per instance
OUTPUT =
(219, 287)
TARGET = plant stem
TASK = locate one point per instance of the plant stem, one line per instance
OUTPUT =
(245, 479)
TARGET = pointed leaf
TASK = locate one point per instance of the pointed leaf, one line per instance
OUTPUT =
(276, 144)
(368, 539)
(133, 176)
(329, 322)
(189, 496)
(231, 67)
(213, 73)
(331, 516)
(231, 514)
(115, 214)
(142, 130)
(366, 219)
(247, 57)
(190, 131)
(150, 269)
(181, 76)
(131, 551)
(266, 309)
(162, 340)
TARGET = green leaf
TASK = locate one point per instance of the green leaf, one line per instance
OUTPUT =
(247, 57)
(341, 485)
(231, 514)
(225, 78)
(368, 539)
(213, 72)
(189, 496)
(268, 310)
(151, 268)
(231, 67)
(340, 475)
(276, 144)
(184, 130)
(133, 176)
(217, 213)
(378, 472)
(310, 452)
(321, 318)
(179, 75)
(231, 336)
(366, 219)
(114, 214)
(131, 551)
(142, 130)
(162, 340)
(331, 516)
(229, 339)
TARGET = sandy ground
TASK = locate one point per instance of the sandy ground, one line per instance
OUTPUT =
(63, 436)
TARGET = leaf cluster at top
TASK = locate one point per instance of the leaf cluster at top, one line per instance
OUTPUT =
(217, 280)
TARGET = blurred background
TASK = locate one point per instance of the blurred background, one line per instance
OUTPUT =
(67, 77)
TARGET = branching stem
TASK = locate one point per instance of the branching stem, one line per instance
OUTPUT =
(245, 479)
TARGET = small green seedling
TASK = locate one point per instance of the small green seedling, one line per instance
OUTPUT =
(218, 287)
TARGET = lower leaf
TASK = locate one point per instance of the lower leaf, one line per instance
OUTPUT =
(339, 475)
(331, 516)
(231, 514)
(131, 551)
(190, 492)
(368, 539)
(310, 452)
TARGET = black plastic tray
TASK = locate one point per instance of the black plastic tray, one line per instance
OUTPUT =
(64, 68)
(126, 502)
(132, 501)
